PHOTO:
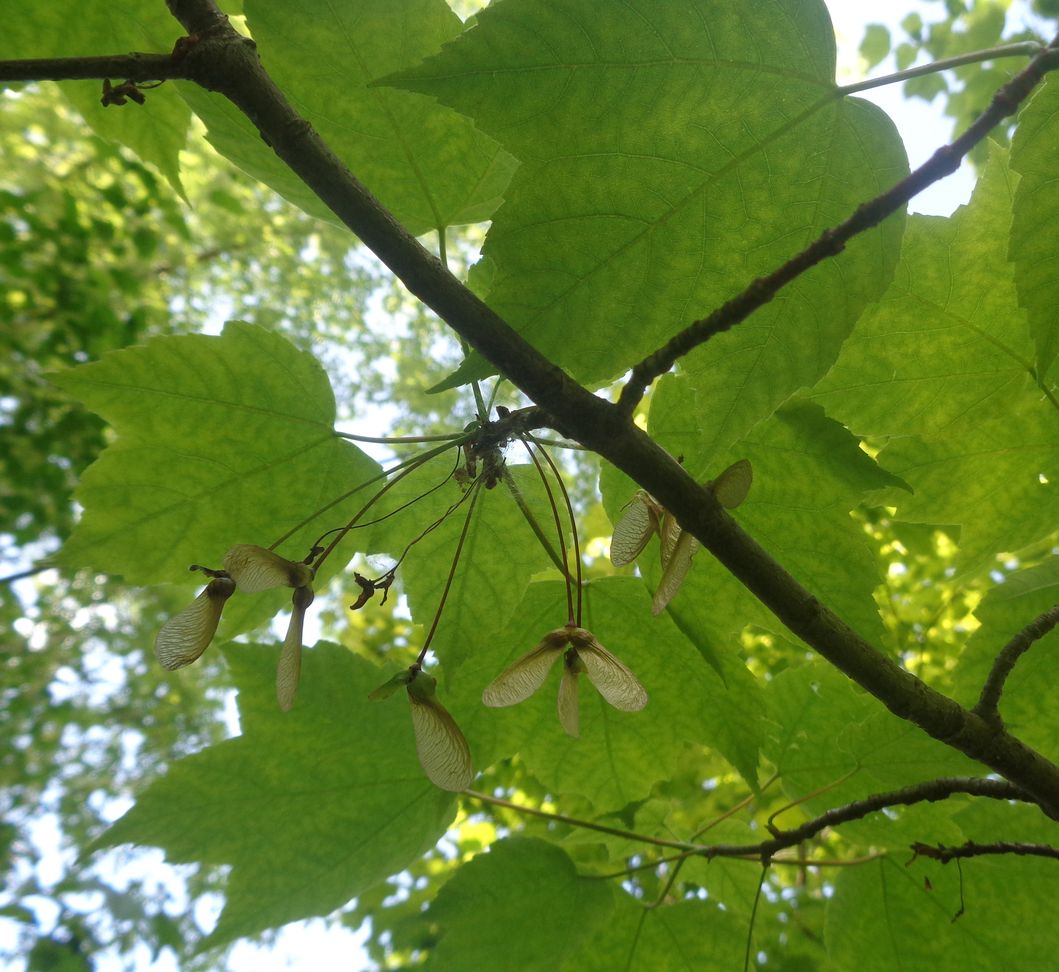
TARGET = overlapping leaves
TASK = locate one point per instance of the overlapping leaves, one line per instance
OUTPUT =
(427, 165)
(221, 440)
(671, 153)
(309, 807)
(944, 366)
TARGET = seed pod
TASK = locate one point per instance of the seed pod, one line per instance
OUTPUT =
(569, 715)
(441, 747)
(614, 680)
(677, 566)
(186, 636)
(520, 680)
(288, 672)
(256, 569)
(732, 486)
(632, 532)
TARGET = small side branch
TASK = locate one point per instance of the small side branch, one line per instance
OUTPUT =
(130, 67)
(929, 792)
(831, 242)
(944, 854)
(989, 701)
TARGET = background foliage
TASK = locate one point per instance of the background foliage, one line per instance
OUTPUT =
(896, 404)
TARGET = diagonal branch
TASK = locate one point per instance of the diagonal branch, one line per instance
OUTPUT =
(222, 60)
(989, 701)
(831, 242)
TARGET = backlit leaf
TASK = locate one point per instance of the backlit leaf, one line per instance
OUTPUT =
(368, 812)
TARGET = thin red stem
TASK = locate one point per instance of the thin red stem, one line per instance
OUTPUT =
(573, 525)
(474, 491)
(562, 540)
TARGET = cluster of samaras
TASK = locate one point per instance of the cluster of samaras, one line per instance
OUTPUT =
(442, 749)
(645, 516)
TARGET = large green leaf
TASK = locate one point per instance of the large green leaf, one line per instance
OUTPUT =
(157, 130)
(544, 914)
(309, 807)
(426, 164)
(1036, 209)
(944, 366)
(619, 755)
(885, 915)
(674, 938)
(220, 440)
(670, 154)
(831, 737)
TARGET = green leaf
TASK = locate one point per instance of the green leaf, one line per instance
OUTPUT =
(670, 154)
(472, 368)
(674, 938)
(155, 131)
(944, 366)
(309, 807)
(427, 165)
(1030, 701)
(1036, 208)
(875, 45)
(544, 914)
(831, 737)
(220, 440)
(884, 916)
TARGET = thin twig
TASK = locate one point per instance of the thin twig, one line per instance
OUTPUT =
(831, 242)
(765, 851)
(989, 701)
(23, 574)
(928, 792)
(944, 854)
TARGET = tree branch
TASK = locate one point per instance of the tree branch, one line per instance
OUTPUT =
(929, 792)
(971, 849)
(831, 242)
(989, 701)
(129, 67)
(226, 62)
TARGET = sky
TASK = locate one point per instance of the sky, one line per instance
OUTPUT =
(311, 944)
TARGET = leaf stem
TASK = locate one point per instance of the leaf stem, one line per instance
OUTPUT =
(584, 824)
(402, 469)
(1020, 49)
(573, 526)
(474, 493)
(538, 530)
(562, 539)
(400, 439)
(753, 917)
